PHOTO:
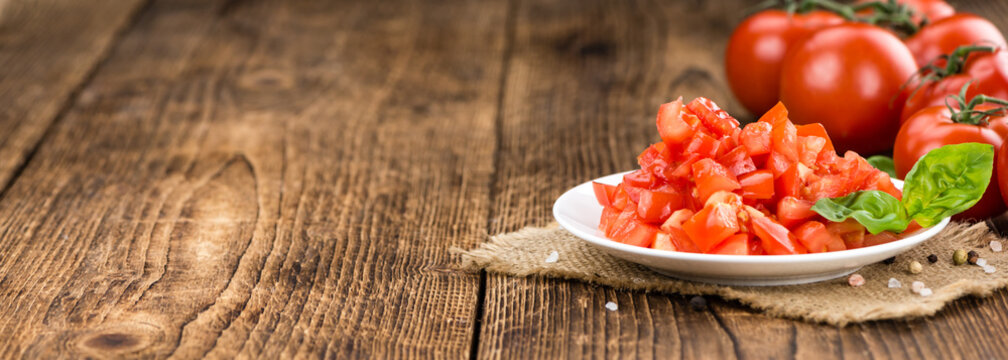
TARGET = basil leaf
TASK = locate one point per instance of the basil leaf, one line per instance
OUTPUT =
(947, 181)
(876, 210)
(883, 163)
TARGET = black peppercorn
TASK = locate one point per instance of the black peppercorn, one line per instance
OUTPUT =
(698, 303)
(971, 257)
(932, 258)
(889, 261)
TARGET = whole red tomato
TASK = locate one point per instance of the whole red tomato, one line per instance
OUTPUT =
(934, 127)
(934, 10)
(945, 35)
(848, 77)
(987, 73)
(757, 47)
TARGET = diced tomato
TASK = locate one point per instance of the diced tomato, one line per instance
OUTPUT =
(663, 241)
(828, 186)
(776, 238)
(620, 198)
(792, 211)
(712, 116)
(711, 225)
(777, 114)
(757, 185)
(655, 159)
(788, 183)
(655, 206)
(609, 215)
(856, 168)
(640, 179)
(737, 244)
(882, 182)
(809, 148)
(784, 140)
(852, 232)
(604, 193)
(712, 177)
(685, 169)
(880, 238)
(725, 197)
(814, 236)
(755, 138)
(681, 241)
(738, 161)
(816, 129)
(778, 163)
(671, 126)
(633, 231)
(756, 247)
(676, 220)
(703, 144)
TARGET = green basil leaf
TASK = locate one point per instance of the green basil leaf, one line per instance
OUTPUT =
(946, 181)
(876, 210)
(883, 163)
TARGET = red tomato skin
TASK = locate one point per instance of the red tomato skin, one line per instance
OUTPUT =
(711, 225)
(655, 206)
(712, 177)
(945, 35)
(792, 211)
(849, 77)
(776, 239)
(604, 193)
(814, 236)
(934, 10)
(987, 72)
(755, 138)
(932, 128)
(737, 244)
(672, 128)
(758, 185)
(756, 50)
(816, 129)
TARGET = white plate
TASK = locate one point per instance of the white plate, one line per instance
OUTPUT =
(578, 212)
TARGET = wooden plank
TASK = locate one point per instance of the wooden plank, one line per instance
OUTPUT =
(264, 178)
(584, 83)
(47, 48)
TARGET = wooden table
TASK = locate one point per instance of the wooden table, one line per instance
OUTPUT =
(285, 179)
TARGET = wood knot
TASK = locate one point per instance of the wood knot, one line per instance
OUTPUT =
(112, 341)
(266, 79)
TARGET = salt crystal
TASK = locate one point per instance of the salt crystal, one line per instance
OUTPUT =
(981, 262)
(609, 305)
(855, 280)
(989, 269)
(893, 283)
(996, 246)
(917, 286)
(553, 257)
(926, 292)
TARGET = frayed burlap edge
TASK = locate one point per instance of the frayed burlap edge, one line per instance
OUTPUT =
(523, 253)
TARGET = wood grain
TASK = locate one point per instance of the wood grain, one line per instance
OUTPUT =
(262, 178)
(581, 93)
(47, 49)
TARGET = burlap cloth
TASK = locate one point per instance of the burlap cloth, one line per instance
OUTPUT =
(524, 253)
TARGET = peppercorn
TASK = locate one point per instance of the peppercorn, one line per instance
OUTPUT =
(698, 303)
(959, 257)
(889, 261)
(932, 258)
(915, 267)
(972, 257)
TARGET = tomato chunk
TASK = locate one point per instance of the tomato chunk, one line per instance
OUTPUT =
(633, 231)
(738, 161)
(776, 238)
(703, 145)
(712, 177)
(792, 211)
(671, 126)
(814, 236)
(816, 129)
(655, 206)
(604, 193)
(757, 185)
(755, 138)
(711, 225)
(712, 116)
(852, 233)
(663, 241)
(737, 244)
